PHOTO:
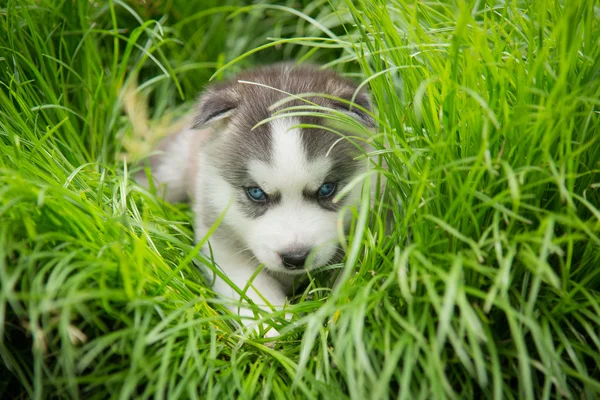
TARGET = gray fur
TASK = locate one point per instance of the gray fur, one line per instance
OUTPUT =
(245, 105)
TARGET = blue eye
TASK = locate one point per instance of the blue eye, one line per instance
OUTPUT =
(256, 194)
(327, 189)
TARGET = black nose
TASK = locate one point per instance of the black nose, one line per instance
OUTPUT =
(294, 260)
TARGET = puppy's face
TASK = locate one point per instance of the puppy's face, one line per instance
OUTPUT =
(278, 181)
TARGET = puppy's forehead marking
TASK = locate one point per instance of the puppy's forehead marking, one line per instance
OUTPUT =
(288, 150)
(289, 170)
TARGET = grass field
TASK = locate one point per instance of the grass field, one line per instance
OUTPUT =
(487, 286)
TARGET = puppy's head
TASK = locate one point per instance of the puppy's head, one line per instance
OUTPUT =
(280, 177)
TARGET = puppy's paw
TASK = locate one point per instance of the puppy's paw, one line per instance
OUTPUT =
(265, 331)
(260, 330)
(270, 332)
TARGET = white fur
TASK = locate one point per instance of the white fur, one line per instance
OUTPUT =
(292, 223)
(176, 165)
(238, 267)
(295, 222)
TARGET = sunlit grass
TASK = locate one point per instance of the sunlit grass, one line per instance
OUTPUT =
(486, 285)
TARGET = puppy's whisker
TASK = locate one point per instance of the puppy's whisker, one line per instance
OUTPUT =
(241, 251)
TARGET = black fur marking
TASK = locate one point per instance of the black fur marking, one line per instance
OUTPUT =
(254, 209)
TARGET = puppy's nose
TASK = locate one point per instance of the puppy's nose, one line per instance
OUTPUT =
(294, 260)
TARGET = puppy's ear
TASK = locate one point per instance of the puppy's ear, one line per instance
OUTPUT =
(362, 100)
(217, 104)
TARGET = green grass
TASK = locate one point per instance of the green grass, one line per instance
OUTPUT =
(487, 285)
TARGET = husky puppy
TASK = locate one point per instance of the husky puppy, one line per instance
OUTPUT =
(273, 183)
